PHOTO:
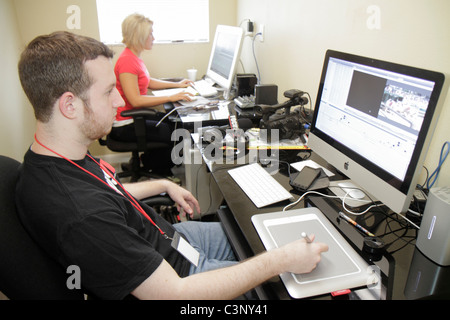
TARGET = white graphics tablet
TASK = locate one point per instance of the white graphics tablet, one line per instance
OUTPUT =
(341, 267)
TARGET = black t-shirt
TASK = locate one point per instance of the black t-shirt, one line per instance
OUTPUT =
(81, 221)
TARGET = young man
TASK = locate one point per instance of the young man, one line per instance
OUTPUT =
(81, 215)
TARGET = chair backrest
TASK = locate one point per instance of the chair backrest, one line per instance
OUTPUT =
(26, 271)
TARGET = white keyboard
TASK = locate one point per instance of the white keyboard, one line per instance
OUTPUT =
(259, 185)
(205, 88)
(191, 91)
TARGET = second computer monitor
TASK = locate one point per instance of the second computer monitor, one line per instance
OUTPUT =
(225, 55)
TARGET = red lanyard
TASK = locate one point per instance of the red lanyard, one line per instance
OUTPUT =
(108, 169)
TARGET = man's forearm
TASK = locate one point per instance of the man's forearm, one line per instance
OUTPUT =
(145, 189)
(225, 283)
(231, 282)
(228, 283)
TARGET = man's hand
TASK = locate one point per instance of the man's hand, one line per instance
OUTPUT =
(301, 256)
(186, 202)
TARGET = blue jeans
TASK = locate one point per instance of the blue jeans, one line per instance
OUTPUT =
(209, 239)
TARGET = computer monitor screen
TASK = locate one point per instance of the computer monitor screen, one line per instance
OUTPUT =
(225, 55)
(373, 121)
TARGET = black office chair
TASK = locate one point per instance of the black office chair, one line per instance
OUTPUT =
(134, 169)
(26, 271)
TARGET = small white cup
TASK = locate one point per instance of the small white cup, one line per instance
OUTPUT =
(192, 74)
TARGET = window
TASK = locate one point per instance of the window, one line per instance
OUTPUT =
(174, 20)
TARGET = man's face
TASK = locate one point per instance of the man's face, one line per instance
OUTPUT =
(103, 99)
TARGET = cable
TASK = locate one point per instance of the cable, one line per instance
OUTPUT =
(409, 221)
(366, 201)
(326, 196)
(254, 56)
(426, 178)
(374, 205)
(168, 114)
(310, 105)
(358, 213)
(402, 237)
(415, 213)
(442, 158)
(212, 102)
(242, 65)
(240, 24)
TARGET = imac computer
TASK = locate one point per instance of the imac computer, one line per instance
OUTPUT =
(225, 55)
(373, 121)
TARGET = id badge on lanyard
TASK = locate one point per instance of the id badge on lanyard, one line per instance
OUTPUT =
(185, 249)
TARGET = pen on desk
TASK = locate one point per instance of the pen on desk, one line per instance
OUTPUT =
(353, 222)
(305, 236)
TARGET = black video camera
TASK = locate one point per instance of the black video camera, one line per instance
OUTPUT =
(289, 124)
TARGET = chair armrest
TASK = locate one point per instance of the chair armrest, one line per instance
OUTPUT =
(164, 206)
(173, 79)
(143, 112)
(158, 200)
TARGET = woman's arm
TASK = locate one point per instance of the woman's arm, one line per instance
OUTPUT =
(130, 87)
(157, 84)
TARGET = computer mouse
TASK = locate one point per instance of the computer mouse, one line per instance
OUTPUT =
(352, 190)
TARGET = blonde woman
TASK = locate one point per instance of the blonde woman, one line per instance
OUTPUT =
(133, 81)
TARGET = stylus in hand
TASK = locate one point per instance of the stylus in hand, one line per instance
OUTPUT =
(305, 236)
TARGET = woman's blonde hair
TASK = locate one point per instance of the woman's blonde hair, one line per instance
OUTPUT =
(135, 31)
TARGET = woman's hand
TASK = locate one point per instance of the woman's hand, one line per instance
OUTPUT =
(185, 83)
(184, 95)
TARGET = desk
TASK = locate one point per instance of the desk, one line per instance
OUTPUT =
(395, 266)
(215, 114)
(212, 117)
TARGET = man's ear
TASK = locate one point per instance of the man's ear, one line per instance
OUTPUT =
(67, 104)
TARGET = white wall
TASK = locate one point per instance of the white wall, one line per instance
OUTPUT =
(23, 20)
(298, 32)
(17, 120)
(168, 60)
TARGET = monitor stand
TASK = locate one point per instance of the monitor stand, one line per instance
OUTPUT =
(355, 196)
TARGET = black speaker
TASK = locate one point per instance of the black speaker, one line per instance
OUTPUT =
(245, 84)
(266, 94)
